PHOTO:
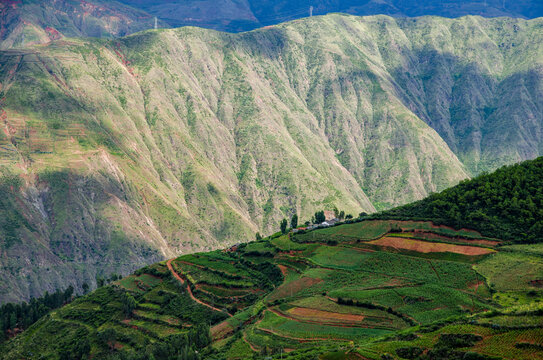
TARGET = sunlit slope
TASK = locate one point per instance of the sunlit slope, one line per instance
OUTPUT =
(195, 138)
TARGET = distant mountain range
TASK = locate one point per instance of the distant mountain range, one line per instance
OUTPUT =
(117, 153)
(38, 21)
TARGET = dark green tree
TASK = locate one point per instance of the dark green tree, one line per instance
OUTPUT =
(12, 321)
(284, 225)
(319, 217)
(258, 236)
(129, 304)
(294, 221)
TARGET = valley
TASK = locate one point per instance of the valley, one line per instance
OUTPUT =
(370, 287)
(119, 153)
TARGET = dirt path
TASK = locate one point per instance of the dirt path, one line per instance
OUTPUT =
(254, 348)
(176, 275)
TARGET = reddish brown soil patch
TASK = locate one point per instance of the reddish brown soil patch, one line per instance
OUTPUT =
(433, 236)
(476, 233)
(476, 285)
(429, 247)
(537, 283)
(319, 315)
(293, 287)
(284, 269)
(221, 330)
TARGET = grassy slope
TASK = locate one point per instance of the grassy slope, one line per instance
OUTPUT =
(191, 125)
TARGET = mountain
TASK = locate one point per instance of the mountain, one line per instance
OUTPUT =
(31, 21)
(371, 289)
(119, 153)
(28, 22)
(243, 15)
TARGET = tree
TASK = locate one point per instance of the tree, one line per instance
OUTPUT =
(348, 216)
(129, 304)
(341, 215)
(12, 321)
(284, 225)
(362, 215)
(258, 236)
(68, 293)
(294, 221)
(319, 217)
(85, 287)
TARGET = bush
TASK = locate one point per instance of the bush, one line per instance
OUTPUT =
(412, 352)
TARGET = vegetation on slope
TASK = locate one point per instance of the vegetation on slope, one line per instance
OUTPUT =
(507, 204)
(194, 139)
(335, 293)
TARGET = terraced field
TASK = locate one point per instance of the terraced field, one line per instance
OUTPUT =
(353, 291)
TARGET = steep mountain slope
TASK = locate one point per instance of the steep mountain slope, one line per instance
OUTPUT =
(372, 289)
(30, 22)
(180, 140)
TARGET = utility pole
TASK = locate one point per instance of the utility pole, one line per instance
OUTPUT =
(156, 23)
(311, 11)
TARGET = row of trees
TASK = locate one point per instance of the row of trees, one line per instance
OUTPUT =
(318, 218)
(21, 316)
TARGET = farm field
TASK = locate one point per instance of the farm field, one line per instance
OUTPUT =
(354, 291)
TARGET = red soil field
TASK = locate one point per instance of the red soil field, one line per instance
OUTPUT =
(434, 236)
(284, 270)
(319, 315)
(221, 330)
(429, 247)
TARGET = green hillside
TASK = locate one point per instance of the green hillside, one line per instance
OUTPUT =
(167, 142)
(363, 289)
(506, 204)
